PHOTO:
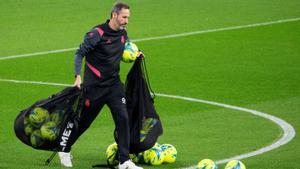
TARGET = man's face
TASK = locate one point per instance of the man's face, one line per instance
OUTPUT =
(121, 18)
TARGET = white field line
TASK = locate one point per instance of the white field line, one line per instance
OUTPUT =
(34, 82)
(37, 54)
(288, 130)
(162, 37)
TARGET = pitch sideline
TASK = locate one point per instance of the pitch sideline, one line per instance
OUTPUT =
(288, 130)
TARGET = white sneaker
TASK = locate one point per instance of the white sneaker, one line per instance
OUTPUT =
(128, 165)
(65, 159)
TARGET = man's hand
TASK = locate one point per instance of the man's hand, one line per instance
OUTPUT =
(140, 54)
(77, 82)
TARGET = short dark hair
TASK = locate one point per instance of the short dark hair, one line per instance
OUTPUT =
(118, 6)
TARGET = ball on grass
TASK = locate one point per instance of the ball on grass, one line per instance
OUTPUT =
(170, 153)
(207, 164)
(154, 156)
(235, 164)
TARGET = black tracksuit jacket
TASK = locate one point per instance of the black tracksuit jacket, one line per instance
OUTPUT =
(103, 48)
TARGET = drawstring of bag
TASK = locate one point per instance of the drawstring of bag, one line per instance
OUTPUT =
(146, 77)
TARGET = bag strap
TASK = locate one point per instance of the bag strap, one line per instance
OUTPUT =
(145, 74)
(47, 162)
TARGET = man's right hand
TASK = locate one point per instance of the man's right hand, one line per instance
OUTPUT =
(77, 82)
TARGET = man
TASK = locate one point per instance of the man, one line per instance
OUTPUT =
(102, 48)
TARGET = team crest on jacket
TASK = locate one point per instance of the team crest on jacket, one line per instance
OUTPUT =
(123, 39)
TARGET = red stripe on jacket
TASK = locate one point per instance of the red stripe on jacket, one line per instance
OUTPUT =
(94, 70)
(100, 31)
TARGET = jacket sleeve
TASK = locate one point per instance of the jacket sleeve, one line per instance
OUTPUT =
(90, 41)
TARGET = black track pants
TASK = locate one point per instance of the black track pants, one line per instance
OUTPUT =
(114, 97)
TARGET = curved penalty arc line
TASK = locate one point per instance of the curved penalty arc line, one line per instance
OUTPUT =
(288, 130)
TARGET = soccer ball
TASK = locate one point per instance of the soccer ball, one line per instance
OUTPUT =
(156, 145)
(28, 128)
(49, 130)
(170, 153)
(38, 116)
(36, 139)
(136, 157)
(154, 156)
(207, 164)
(57, 116)
(148, 124)
(235, 164)
(130, 52)
(110, 153)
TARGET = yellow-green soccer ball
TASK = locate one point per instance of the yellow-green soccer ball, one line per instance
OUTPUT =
(28, 128)
(207, 164)
(36, 139)
(57, 116)
(154, 156)
(235, 164)
(156, 145)
(50, 130)
(130, 52)
(38, 116)
(136, 157)
(110, 153)
(170, 153)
